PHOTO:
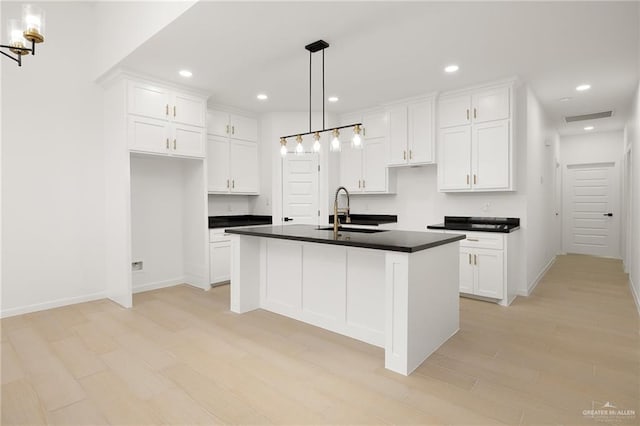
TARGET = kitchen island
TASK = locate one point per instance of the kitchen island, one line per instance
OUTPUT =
(393, 289)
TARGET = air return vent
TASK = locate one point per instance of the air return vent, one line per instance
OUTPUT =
(592, 116)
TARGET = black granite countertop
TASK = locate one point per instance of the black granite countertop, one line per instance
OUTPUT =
(404, 241)
(482, 224)
(368, 219)
(238, 220)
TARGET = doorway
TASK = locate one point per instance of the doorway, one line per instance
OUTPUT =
(591, 216)
(300, 189)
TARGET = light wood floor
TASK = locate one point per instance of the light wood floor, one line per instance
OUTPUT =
(180, 357)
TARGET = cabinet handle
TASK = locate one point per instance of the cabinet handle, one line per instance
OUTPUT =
(167, 143)
(363, 183)
(475, 259)
(410, 154)
(233, 183)
(227, 130)
(166, 109)
(475, 179)
(404, 155)
(472, 239)
(467, 179)
(469, 258)
(174, 110)
(233, 130)
(359, 183)
(227, 183)
(467, 114)
(174, 144)
(475, 115)
(364, 132)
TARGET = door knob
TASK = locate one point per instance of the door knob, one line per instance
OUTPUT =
(287, 219)
(607, 214)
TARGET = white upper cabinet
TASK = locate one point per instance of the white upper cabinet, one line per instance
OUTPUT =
(221, 123)
(165, 121)
(232, 154)
(364, 170)
(411, 133)
(475, 141)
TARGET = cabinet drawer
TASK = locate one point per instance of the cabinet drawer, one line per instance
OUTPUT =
(488, 240)
(218, 235)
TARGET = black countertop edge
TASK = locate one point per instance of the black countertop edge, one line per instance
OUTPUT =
(401, 241)
(368, 219)
(506, 230)
(481, 224)
(238, 220)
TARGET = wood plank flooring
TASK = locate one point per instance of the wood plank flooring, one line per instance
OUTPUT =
(180, 357)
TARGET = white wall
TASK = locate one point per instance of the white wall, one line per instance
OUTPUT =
(632, 260)
(52, 168)
(222, 205)
(599, 147)
(122, 26)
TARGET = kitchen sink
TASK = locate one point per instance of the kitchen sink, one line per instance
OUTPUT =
(347, 229)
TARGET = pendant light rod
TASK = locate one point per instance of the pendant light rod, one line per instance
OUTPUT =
(322, 131)
(310, 55)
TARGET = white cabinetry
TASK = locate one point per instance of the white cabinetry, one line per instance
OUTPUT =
(475, 141)
(164, 121)
(219, 256)
(365, 170)
(232, 154)
(411, 133)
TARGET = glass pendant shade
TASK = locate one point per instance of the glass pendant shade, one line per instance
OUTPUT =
(335, 141)
(299, 147)
(16, 38)
(283, 147)
(316, 142)
(356, 141)
(33, 23)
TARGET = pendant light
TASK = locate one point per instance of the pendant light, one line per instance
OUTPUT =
(25, 33)
(334, 146)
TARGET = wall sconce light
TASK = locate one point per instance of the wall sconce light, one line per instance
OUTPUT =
(22, 34)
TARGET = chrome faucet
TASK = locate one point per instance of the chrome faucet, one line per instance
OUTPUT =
(336, 210)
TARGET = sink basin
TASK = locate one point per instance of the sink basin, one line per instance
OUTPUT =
(347, 229)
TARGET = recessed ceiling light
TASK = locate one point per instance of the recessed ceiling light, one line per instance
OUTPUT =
(565, 99)
(262, 97)
(451, 68)
(589, 128)
(185, 73)
(333, 99)
(583, 87)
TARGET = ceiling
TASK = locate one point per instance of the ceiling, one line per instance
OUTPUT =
(385, 51)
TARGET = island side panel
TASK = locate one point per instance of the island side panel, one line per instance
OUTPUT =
(246, 260)
(422, 304)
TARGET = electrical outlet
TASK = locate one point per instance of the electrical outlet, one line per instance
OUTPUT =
(136, 266)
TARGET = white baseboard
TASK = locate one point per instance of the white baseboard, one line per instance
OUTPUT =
(198, 282)
(634, 293)
(535, 282)
(52, 304)
(157, 285)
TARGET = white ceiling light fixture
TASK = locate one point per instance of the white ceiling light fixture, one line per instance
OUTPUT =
(262, 97)
(451, 68)
(314, 47)
(333, 99)
(185, 73)
(583, 87)
(589, 128)
(565, 99)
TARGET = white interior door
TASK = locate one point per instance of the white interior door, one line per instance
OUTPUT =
(300, 190)
(591, 213)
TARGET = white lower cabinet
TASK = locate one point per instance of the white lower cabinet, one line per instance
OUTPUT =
(219, 256)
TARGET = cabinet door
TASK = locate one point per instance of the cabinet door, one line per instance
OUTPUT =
(467, 271)
(454, 111)
(188, 141)
(243, 165)
(351, 168)
(490, 105)
(454, 164)
(148, 135)
(420, 123)
(374, 165)
(148, 100)
(218, 123)
(244, 128)
(491, 156)
(219, 262)
(188, 109)
(397, 136)
(218, 165)
(489, 273)
(374, 124)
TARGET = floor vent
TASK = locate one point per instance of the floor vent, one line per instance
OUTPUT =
(592, 116)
